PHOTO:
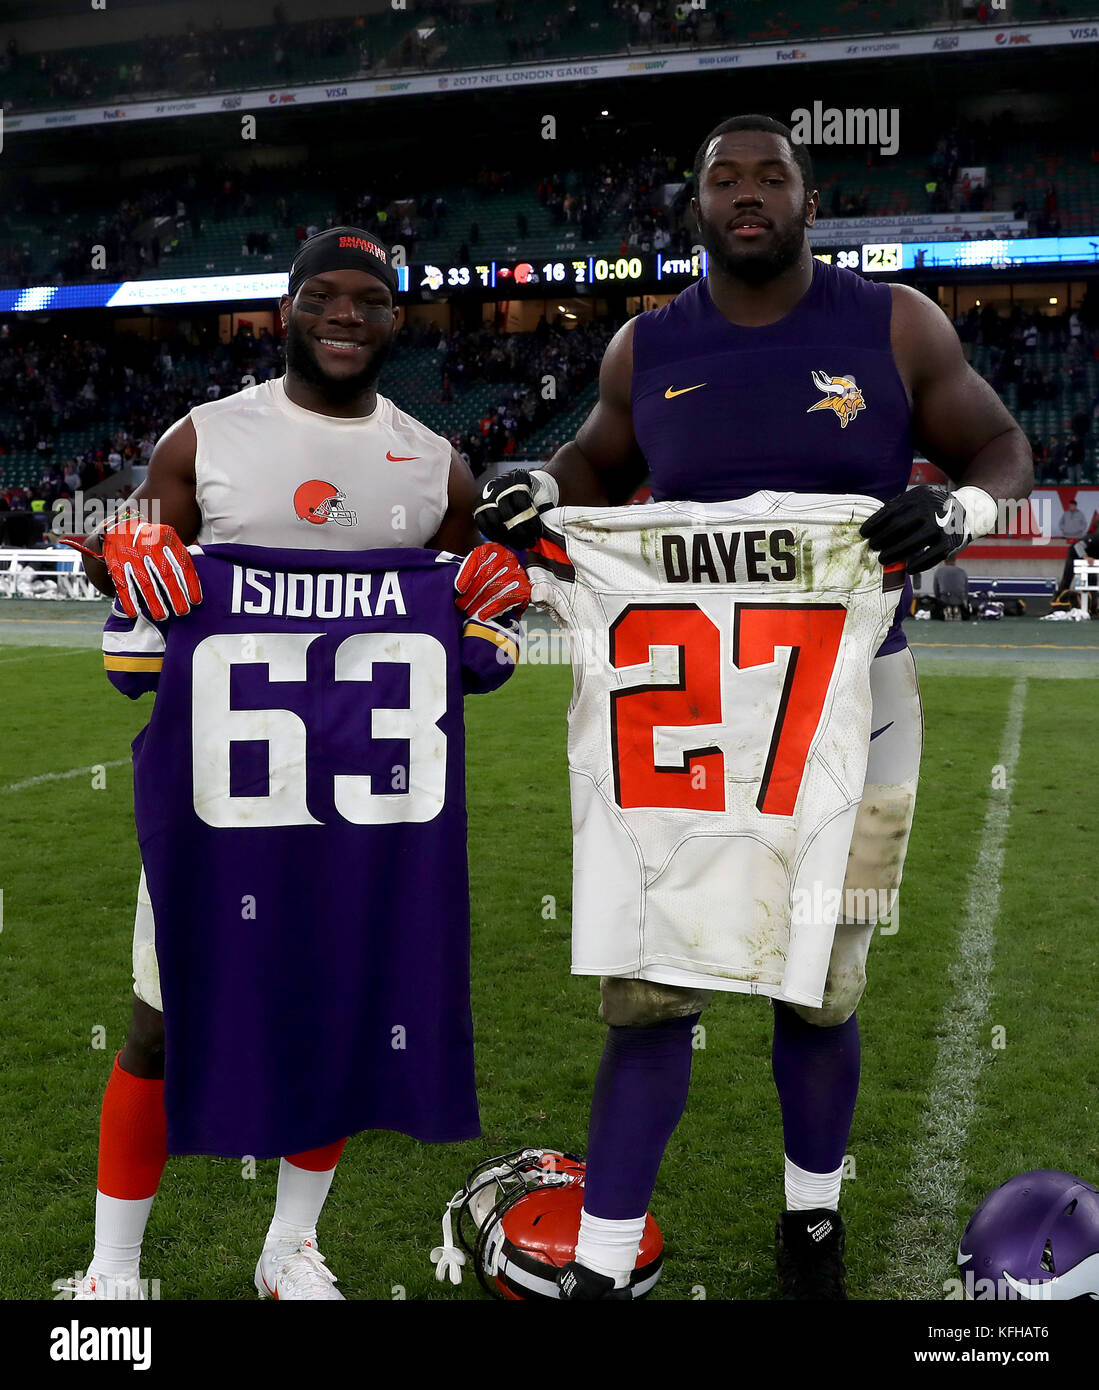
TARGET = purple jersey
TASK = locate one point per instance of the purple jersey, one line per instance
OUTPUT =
(299, 797)
(813, 403)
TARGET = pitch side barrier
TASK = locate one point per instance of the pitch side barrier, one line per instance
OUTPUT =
(45, 573)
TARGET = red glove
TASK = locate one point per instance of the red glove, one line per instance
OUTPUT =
(491, 581)
(149, 563)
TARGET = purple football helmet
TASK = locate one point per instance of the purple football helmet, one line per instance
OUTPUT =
(1035, 1237)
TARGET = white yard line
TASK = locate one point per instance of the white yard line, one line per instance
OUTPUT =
(61, 776)
(44, 656)
(924, 1240)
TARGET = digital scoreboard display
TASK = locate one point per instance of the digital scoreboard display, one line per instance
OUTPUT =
(644, 270)
(869, 258)
(648, 269)
(559, 274)
(652, 270)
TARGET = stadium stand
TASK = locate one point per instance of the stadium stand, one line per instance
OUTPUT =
(221, 219)
(457, 36)
(77, 411)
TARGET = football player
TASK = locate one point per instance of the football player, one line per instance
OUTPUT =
(775, 371)
(313, 460)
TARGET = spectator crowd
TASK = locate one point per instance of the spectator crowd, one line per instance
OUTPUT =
(1013, 344)
(521, 363)
(122, 393)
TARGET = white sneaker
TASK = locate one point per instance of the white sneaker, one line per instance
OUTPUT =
(286, 1270)
(115, 1286)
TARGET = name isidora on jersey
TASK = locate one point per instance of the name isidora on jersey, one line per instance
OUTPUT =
(286, 594)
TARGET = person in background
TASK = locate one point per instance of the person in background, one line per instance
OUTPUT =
(1074, 528)
(1073, 522)
(951, 589)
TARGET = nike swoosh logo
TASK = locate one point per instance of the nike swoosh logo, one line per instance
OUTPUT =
(882, 729)
(397, 458)
(671, 393)
(944, 520)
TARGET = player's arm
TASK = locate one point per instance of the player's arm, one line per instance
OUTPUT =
(602, 466)
(963, 427)
(958, 420)
(457, 531)
(168, 495)
(491, 582)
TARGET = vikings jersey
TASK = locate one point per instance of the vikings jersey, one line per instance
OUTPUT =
(813, 403)
(270, 472)
(299, 798)
(718, 733)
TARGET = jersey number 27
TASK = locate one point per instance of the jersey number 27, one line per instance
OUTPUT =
(699, 695)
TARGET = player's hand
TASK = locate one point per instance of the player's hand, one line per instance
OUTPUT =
(511, 506)
(149, 568)
(921, 527)
(491, 581)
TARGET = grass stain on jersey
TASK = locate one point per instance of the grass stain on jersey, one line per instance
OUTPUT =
(806, 560)
(592, 532)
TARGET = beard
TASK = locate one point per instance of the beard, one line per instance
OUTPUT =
(302, 361)
(750, 266)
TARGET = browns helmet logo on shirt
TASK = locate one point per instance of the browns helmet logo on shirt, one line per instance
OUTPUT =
(318, 502)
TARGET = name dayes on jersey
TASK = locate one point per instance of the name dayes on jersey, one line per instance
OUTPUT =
(729, 557)
(691, 546)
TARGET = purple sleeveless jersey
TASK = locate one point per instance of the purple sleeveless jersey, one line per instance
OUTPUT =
(813, 403)
(299, 797)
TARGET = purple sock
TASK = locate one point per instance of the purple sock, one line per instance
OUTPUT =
(816, 1074)
(639, 1098)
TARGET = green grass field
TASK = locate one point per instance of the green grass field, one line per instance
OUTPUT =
(69, 873)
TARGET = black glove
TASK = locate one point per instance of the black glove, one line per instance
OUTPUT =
(510, 510)
(921, 527)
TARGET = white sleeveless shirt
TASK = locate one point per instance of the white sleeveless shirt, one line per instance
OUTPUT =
(271, 473)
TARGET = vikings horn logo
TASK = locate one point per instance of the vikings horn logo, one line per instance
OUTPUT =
(840, 394)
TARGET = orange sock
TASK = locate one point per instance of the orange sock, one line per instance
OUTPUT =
(318, 1160)
(133, 1136)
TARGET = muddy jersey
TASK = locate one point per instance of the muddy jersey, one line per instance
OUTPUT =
(719, 730)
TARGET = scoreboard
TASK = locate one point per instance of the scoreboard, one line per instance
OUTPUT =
(650, 270)
(567, 274)
(655, 270)
(646, 271)
(869, 258)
